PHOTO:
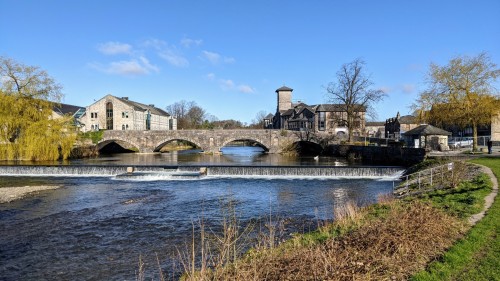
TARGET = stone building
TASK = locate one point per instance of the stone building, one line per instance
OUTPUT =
(426, 136)
(113, 113)
(322, 118)
(495, 129)
(395, 127)
(375, 129)
(60, 110)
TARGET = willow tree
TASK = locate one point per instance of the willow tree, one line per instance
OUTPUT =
(353, 90)
(461, 93)
(28, 128)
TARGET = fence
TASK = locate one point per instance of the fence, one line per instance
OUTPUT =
(439, 177)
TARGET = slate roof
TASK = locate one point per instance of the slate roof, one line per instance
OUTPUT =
(63, 109)
(284, 88)
(143, 107)
(269, 116)
(426, 130)
(407, 119)
(375, 123)
(337, 107)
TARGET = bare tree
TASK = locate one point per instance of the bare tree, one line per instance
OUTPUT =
(258, 122)
(353, 90)
(189, 115)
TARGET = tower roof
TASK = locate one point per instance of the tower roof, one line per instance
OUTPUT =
(284, 88)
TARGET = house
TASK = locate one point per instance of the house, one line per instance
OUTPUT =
(114, 113)
(375, 129)
(268, 121)
(426, 136)
(321, 118)
(495, 129)
(395, 127)
(61, 109)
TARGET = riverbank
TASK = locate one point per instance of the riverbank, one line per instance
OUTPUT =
(391, 240)
(9, 194)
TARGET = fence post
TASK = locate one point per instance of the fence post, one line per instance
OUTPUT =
(431, 177)
(418, 180)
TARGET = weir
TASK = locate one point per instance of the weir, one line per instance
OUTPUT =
(215, 170)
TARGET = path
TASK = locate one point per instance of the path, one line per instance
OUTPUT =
(488, 199)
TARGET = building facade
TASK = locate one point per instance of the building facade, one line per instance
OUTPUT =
(321, 118)
(113, 113)
(395, 127)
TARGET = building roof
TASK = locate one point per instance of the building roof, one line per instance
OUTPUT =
(408, 119)
(284, 88)
(269, 116)
(426, 130)
(375, 124)
(66, 109)
(143, 107)
(337, 107)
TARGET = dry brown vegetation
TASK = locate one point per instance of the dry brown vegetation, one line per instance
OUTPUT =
(390, 241)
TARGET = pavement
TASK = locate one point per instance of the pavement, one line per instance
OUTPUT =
(462, 152)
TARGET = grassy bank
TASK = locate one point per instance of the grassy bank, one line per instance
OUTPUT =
(393, 239)
(477, 255)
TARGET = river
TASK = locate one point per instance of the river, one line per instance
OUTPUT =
(96, 226)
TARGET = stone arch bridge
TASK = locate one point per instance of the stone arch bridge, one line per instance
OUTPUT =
(210, 141)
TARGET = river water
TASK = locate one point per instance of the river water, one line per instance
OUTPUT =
(96, 226)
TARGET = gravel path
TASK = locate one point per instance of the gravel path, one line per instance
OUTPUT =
(488, 199)
(8, 194)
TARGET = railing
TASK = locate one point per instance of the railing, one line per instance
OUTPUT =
(431, 179)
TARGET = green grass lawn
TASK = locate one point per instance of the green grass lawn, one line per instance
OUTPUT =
(477, 255)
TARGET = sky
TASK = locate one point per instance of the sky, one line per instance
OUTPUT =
(230, 56)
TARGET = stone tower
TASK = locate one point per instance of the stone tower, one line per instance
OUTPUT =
(284, 98)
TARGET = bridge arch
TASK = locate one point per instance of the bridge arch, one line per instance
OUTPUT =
(104, 142)
(254, 140)
(159, 145)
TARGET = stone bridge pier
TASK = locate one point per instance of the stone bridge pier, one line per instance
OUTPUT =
(210, 141)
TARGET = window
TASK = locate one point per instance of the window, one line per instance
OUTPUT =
(109, 116)
(93, 115)
(322, 121)
(124, 114)
(123, 127)
(126, 127)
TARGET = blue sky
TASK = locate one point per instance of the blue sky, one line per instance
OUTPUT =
(230, 56)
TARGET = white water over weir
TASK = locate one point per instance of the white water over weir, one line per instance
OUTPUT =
(230, 171)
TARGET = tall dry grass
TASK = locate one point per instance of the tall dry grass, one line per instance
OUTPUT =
(392, 246)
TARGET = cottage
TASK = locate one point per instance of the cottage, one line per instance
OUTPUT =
(113, 113)
(427, 136)
(322, 118)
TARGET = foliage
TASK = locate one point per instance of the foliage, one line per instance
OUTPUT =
(353, 90)
(460, 93)
(29, 130)
(95, 136)
(189, 115)
(476, 256)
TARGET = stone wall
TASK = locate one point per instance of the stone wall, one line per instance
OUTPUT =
(495, 128)
(379, 155)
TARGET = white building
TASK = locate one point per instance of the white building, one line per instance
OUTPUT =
(113, 113)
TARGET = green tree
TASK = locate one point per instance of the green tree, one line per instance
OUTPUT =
(28, 128)
(460, 93)
(353, 91)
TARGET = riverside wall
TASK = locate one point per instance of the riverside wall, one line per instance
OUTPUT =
(380, 155)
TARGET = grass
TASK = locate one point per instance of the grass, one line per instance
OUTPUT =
(420, 238)
(477, 255)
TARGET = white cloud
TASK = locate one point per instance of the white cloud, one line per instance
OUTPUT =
(132, 67)
(226, 84)
(216, 58)
(173, 58)
(114, 48)
(210, 76)
(188, 42)
(246, 89)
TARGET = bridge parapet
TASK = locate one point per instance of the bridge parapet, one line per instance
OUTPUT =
(208, 140)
